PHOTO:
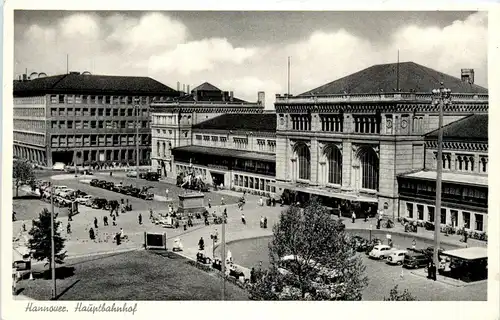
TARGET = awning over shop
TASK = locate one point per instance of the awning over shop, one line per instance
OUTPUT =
(227, 153)
(474, 253)
(328, 193)
(452, 177)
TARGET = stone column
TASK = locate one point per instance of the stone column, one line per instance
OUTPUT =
(314, 161)
(346, 164)
(472, 221)
(293, 169)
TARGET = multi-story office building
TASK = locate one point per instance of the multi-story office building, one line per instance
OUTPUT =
(464, 178)
(235, 150)
(173, 121)
(351, 138)
(84, 118)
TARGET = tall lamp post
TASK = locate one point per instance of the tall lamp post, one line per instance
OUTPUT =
(137, 109)
(440, 97)
(52, 245)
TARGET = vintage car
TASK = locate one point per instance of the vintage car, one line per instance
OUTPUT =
(380, 251)
(94, 182)
(100, 203)
(397, 257)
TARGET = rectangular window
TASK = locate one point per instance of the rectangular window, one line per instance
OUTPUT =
(70, 124)
(86, 112)
(206, 138)
(86, 141)
(144, 124)
(420, 212)
(443, 215)
(466, 218)
(78, 124)
(93, 140)
(130, 112)
(53, 99)
(79, 99)
(62, 112)
(479, 222)
(123, 112)
(409, 210)
(100, 112)
(61, 98)
(85, 124)
(101, 124)
(366, 124)
(115, 112)
(198, 136)
(53, 125)
(93, 112)
(93, 124)
(301, 122)
(331, 123)
(107, 99)
(70, 112)
(78, 112)
(69, 98)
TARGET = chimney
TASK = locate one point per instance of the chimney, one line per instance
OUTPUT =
(231, 96)
(261, 98)
(178, 86)
(25, 77)
(188, 92)
(467, 75)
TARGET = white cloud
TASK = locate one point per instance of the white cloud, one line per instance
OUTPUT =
(160, 46)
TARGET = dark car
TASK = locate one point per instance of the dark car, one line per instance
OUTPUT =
(145, 194)
(100, 203)
(101, 183)
(125, 190)
(415, 259)
(360, 244)
(109, 185)
(150, 176)
(94, 182)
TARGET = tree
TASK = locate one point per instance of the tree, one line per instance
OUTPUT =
(39, 242)
(322, 263)
(394, 295)
(23, 173)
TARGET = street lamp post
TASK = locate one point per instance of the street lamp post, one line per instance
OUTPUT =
(52, 245)
(440, 97)
(137, 108)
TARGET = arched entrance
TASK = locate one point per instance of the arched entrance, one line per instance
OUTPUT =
(334, 164)
(301, 167)
(366, 169)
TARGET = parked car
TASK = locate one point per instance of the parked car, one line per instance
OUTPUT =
(150, 176)
(414, 259)
(94, 182)
(145, 194)
(100, 203)
(108, 185)
(372, 244)
(58, 166)
(132, 174)
(84, 199)
(380, 251)
(430, 252)
(360, 244)
(166, 222)
(396, 257)
(101, 183)
(66, 193)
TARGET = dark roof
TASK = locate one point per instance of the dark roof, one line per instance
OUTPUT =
(190, 98)
(206, 87)
(474, 127)
(78, 83)
(412, 77)
(227, 153)
(250, 122)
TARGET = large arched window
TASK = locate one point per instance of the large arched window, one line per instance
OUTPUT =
(304, 161)
(334, 159)
(370, 169)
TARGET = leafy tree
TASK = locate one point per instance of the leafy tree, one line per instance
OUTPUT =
(23, 173)
(394, 295)
(323, 264)
(39, 242)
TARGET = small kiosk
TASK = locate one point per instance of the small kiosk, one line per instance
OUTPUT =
(467, 264)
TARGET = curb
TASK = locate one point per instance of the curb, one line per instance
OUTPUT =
(451, 282)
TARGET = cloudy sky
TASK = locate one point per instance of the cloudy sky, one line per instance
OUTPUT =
(247, 51)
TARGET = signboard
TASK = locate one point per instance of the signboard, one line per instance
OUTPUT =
(155, 241)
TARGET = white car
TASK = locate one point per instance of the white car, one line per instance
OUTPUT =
(132, 174)
(65, 192)
(58, 166)
(397, 257)
(380, 251)
(166, 222)
(85, 199)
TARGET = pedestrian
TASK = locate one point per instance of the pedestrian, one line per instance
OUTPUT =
(222, 201)
(366, 215)
(114, 220)
(105, 221)
(122, 234)
(465, 236)
(353, 217)
(91, 234)
(209, 203)
(273, 200)
(413, 244)
(265, 222)
(24, 227)
(243, 218)
(201, 244)
(140, 218)
(95, 223)
(190, 222)
(252, 275)
(206, 221)
(390, 243)
(261, 202)
(261, 221)
(150, 214)
(68, 228)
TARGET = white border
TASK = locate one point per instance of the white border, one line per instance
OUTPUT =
(263, 310)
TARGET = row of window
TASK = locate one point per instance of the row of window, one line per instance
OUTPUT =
(163, 151)
(238, 143)
(98, 112)
(465, 162)
(99, 140)
(332, 123)
(93, 124)
(170, 119)
(29, 125)
(92, 99)
(36, 139)
(253, 183)
(29, 112)
(451, 219)
(29, 100)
